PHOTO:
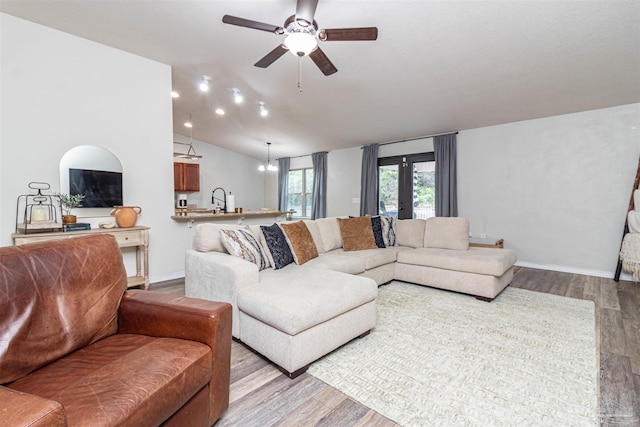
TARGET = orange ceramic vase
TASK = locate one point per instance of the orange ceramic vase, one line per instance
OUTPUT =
(126, 216)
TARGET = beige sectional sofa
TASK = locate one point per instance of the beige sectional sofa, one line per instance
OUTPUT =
(298, 313)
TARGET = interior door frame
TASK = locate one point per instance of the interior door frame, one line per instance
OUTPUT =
(405, 179)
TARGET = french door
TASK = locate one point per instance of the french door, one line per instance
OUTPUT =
(406, 186)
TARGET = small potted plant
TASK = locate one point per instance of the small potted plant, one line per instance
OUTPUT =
(67, 204)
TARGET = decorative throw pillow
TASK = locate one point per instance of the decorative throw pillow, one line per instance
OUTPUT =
(376, 227)
(278, 246)
(243, 244)
(300, 241)
(388, 230)
(356, 233)
(257, 233)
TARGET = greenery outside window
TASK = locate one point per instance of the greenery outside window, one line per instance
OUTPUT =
(406, 186)
(300, 187)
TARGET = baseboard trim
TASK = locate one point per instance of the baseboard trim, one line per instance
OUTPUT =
(165, 277)
(582, 271)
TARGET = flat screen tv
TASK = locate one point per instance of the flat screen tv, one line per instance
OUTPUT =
(102, 189)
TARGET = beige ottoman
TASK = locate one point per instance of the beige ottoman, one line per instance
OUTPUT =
(305, 313)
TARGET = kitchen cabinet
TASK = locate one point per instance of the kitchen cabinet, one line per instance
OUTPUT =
(186, 176)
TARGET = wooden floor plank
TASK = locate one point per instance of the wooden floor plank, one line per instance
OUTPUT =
(609, 292)
(632, 334)
(347, 413)
(618, 396)
(612, 334)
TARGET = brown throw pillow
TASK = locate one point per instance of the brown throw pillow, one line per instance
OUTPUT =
(300, 241)
(356, 233)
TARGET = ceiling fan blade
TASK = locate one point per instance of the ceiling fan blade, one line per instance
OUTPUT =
(322, 62)
(241, 22)
(305, 9)
(270, 57)
(343, 34)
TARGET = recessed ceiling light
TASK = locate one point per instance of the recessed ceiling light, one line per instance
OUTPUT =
(220, 111)
(204, 86)
(175, 94)
(237, 96)
(263, 110)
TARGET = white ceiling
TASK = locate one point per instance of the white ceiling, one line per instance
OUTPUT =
(437, 66)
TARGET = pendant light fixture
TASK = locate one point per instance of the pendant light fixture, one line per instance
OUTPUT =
(269, 167)
(191, 152)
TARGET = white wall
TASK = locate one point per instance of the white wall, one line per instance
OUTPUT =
(556, 189)
(59, 91)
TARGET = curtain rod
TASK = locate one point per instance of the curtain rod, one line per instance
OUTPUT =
(303, 155)
(416, 138)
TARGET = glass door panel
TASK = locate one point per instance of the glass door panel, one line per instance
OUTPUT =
(424, 190)
(388, 186)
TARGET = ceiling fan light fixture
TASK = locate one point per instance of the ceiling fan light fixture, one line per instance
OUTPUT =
(300, 43)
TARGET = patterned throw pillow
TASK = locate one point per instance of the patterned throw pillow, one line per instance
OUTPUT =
(388, 230)
(357, 233)
(243, 244)
(278, 246)
(376, 227)
(300, 241)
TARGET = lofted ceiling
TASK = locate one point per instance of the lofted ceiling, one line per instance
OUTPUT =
(437, 66)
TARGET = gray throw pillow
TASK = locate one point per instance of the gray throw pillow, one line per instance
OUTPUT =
(278, 246)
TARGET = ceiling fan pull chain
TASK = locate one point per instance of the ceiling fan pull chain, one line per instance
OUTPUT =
(300, 74)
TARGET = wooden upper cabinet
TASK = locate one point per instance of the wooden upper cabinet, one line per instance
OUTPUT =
(186, 176)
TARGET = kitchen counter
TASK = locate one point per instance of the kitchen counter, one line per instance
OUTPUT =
(210, 216)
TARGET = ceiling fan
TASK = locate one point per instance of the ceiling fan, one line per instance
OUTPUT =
(302, 36)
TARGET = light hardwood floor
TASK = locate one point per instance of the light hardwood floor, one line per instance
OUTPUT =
(261, 396)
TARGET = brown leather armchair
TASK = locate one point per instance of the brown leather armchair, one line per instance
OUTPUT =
(77, 349)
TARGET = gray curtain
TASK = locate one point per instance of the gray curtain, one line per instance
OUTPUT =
(446, 173)
(283, 182)
(369, 180)
(319, 195)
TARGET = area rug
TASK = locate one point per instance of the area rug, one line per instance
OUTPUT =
(439, 358)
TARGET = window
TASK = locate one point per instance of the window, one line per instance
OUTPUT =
(300, 183)
(406, 186)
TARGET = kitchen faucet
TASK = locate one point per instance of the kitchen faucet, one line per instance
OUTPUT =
(223, 200)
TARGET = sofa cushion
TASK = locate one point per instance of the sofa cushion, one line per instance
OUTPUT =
(161, 375)
(330, 232)
(388, 224)
(410, 232)
(356, 233)
(207, 238)
(447, 233)
(376, 227)
(298, 298)
(277, 245)
(312, 225)
(243, 244)
(335, 261)
(372, 257)
(488, 261)
(300, 241)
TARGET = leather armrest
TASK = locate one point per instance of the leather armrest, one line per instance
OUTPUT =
(208, 322)
(23, 409)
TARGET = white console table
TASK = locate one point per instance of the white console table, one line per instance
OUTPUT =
(137, 237)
